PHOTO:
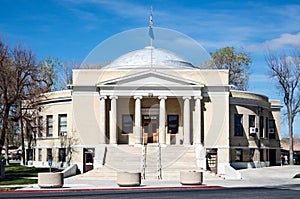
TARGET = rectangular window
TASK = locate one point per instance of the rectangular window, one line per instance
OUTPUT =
(127, 124)
(62, 124)
(251, 121)
(49, 125)
(40, 155)
(238, 125)
(252, 129)
(29, 154)
(62, 154)
(261, 126)
(238, 155)
(173, 121)
(272, 128)
(261, 155)
(40, 126)
(267, 128)
(49, 154)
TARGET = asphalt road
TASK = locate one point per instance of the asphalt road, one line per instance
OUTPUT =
(290, 191)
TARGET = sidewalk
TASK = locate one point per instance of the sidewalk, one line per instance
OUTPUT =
(260, 177)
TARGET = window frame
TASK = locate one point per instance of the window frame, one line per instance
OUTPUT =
(261, 126)
(62, 156)
(49, 125)
(252, 119)
(40, 126)
(61, 125)
(238, 128)
(127, 129)
(49, 154)
(272, 135)
(173, 130)
(40, 154)
(238, 155)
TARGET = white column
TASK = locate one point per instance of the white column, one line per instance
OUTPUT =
(197, 120)
(200, 149)
(102, 120)
(162, 119)
(186, 121)
(137, 120)
(113, 120)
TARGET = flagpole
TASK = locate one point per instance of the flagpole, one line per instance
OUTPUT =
(151, 37)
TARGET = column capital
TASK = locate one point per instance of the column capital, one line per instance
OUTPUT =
(198, 97)
(186, 97)
(162, 97)
(113, 97)
(137, 97)
(103, 97)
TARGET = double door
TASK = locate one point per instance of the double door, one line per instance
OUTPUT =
(150, 128)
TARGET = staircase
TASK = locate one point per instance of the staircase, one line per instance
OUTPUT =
(173, 159)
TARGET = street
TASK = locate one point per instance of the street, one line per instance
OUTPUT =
(288, 191)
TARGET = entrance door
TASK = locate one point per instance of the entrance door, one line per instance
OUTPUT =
(272, 155)
(212, 160)
(150, 128)
(88, 159)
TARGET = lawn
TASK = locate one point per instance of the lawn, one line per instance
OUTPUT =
(16, 174)
(17, 170)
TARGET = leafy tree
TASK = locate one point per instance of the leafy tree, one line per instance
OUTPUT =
(285, 69)
(237, 62)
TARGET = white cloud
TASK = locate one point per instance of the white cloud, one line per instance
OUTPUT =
(284, 40)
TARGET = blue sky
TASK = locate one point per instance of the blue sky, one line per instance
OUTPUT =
(70, 29)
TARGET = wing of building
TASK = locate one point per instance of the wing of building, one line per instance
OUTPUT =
(151, 104)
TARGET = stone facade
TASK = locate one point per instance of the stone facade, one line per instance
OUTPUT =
(160, 104)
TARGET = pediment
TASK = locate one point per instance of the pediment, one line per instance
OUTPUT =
(150, 78)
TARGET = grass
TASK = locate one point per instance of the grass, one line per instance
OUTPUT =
(297, 175)
(16, 174)
(15, 169)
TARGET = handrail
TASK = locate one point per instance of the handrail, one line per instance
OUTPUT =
(159, 176)
(143, 162)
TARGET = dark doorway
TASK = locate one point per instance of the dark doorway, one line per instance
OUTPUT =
(272, 155)
(88, 159)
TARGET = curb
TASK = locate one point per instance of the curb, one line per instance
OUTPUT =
(113, 189)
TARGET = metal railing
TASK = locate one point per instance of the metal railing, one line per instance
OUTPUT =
(159, 172)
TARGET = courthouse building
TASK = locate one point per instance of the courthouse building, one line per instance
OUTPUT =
(153, 97)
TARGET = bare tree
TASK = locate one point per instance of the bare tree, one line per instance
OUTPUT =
(285, 69)
(21, 79)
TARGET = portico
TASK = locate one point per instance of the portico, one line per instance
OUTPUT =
(161, 109)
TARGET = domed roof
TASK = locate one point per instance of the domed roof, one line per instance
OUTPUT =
(150, 57)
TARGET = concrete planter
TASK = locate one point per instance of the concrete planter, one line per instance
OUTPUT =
(126, 179)
(51, 180)
(191, 177)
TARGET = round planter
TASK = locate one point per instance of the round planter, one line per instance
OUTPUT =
(127, 179)
(191, 177)
(51, 180)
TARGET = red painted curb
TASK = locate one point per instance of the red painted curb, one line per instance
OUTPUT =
(112, 189)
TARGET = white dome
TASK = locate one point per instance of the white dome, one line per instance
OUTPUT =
(150, 57)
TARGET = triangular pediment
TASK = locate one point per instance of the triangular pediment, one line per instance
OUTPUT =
(150, 78)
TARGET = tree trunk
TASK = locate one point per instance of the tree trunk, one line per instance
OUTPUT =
(4, 126)
(22, 140)
(291, 149)
(6, 152)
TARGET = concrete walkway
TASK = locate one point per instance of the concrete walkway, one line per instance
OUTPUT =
(259, 177)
